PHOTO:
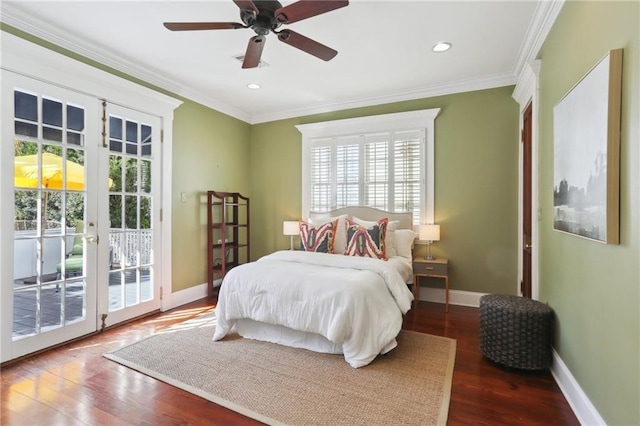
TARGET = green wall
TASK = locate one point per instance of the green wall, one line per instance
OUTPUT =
(476, 179)
(210, 152)
(592, 287)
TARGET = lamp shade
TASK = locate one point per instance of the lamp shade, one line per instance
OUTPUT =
(290, 227)
(430, 232)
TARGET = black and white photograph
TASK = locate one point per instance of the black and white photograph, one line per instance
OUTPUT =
(586, 155)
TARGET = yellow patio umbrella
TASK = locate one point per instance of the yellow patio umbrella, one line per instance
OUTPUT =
(26, 169)
(26, 172)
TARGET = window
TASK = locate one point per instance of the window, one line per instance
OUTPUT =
(383, 161)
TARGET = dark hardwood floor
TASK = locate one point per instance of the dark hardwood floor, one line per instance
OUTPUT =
(75, 385)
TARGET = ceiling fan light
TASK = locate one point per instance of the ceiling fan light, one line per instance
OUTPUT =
(441, 46)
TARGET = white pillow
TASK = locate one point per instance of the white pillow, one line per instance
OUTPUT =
(404, 243)
(340, 241)
(390, 237)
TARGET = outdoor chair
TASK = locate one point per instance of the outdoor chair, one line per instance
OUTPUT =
(74, 261)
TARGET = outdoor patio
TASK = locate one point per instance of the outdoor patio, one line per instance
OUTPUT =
(25, 300)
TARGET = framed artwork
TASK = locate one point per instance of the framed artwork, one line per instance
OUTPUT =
(586, 147)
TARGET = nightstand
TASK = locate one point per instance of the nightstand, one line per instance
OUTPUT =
(438, 268)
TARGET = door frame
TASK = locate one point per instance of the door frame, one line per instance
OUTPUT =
(31, 60)
(527, 92)
(527, 197)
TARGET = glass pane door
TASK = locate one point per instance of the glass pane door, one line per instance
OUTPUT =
(52, 295)
(134, 213)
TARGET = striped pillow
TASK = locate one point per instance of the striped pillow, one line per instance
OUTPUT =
(367, 242)
(318, 239)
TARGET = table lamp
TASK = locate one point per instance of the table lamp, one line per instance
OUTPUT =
(429, 233)
(291, 228)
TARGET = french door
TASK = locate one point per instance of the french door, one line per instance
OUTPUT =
(49, 153)
(133, 215)
(79, 239)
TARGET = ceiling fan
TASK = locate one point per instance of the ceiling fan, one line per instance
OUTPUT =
(264, 16)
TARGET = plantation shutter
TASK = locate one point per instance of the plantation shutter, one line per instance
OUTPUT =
(408, 174)
(383, 161)
(381, 170)
(348, 172)
(321, 170)
(376, 171)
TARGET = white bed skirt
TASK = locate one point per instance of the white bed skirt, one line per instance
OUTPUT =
(286, 336)
(282, 335)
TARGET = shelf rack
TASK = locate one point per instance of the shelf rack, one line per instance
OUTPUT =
(228, 242)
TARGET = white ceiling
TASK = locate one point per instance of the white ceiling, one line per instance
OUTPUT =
(384, 50)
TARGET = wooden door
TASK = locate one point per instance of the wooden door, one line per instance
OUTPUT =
(526, 201)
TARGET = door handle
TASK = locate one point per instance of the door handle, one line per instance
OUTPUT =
(92, 239)
(528, 246)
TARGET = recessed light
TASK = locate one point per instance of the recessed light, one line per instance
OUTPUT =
(441, 46)
(253, 86)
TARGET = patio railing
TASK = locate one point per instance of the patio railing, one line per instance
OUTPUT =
(28, 225)
(124, 249)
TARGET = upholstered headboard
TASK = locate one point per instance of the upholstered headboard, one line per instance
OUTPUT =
(369, 213)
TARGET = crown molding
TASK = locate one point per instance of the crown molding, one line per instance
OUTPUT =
(12, 15)
(544, 17)
(22, 57)
(490, 82)
(527, 84)
(17, 18)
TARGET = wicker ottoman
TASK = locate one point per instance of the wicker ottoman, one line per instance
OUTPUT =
(516, 331)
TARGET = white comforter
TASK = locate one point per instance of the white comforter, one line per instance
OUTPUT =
(354, 301)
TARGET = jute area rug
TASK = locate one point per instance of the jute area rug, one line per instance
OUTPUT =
(275, 384)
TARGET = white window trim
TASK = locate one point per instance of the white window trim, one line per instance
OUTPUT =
(414, 120)
(31, 60)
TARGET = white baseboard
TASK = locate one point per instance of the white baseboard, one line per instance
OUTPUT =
(456, 297)
(577, 399)
(188, 295)
(185, 296)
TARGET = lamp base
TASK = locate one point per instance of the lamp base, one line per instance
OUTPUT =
(291, 244)
(429, 256)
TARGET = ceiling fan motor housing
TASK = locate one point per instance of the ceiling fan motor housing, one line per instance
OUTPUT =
(265, 21)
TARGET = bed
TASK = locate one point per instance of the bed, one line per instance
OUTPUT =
(331, 303)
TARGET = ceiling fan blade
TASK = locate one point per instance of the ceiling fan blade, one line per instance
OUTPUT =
(195, 26)
(254, 52)
(304, 9)
(305, 44)
(247, 5)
